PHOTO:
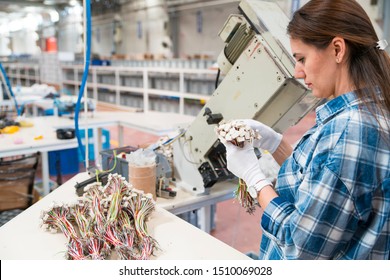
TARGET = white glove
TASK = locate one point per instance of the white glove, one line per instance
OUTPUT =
(243, 163)
(270, 139)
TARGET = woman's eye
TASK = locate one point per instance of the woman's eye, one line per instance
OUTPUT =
(301, 60)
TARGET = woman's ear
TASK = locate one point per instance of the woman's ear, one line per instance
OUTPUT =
(339, 47)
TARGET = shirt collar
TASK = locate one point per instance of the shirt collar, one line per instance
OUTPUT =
(336, 105)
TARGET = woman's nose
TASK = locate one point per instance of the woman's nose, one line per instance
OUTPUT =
(299, 73)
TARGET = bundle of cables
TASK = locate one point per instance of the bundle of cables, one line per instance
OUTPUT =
(107, 219)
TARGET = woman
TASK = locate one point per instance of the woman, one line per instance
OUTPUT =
(332, 195)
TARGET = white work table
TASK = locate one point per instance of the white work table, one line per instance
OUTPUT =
(43, 127)
(185, 201)
(151, 122)
(23, 239)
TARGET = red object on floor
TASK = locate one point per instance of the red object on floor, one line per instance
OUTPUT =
(51, 44)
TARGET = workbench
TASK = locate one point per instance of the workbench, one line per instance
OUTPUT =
(151, 122)
(22, 238)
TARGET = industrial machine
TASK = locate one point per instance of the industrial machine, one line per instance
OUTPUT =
(258, 83)
(114, 161)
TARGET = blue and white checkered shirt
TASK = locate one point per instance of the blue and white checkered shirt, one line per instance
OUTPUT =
(334, 190)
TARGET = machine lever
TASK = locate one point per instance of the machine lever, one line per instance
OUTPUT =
(212, 118)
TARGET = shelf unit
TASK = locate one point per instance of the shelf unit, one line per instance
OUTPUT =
(22, 74)
(177, 90)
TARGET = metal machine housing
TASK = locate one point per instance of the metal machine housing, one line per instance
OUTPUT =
(258, 85)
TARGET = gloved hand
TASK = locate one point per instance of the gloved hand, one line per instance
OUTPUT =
(243, 163)
(270, 139)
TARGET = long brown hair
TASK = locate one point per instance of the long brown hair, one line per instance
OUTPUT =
(319, 21)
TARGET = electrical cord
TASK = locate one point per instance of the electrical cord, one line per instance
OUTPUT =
(98, 172)
(217, 79)
(170, 141)
(7, 82)
(87, 10)
(184, 154)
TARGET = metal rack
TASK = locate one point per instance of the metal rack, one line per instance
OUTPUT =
(23, 74)
(180, 90)
(177, 86)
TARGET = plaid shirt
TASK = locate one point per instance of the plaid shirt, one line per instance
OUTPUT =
(334, 190)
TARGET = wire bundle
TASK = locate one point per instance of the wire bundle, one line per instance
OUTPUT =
(243, 197)
(238, 133)
(108, 218)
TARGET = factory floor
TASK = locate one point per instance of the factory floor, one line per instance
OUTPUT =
(233, 225)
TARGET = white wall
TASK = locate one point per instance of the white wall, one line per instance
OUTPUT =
(145, 25)
(142, 27)
(102, 35)
(139, 28)
(133, 33)
(70, 30)
(205, 42)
